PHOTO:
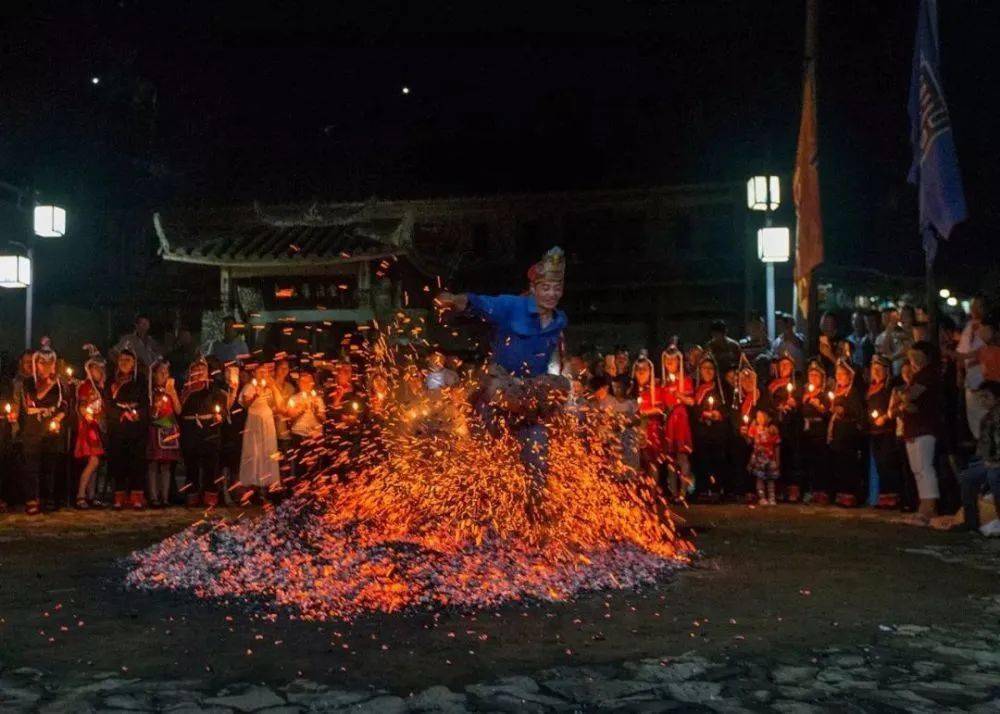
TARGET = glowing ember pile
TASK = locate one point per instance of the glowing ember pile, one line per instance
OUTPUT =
(413, 503)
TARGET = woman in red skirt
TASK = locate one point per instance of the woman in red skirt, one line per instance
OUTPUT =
(89, 445)
(647, 394)
(678, 395)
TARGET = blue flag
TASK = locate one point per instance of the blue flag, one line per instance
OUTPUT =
(935, 162)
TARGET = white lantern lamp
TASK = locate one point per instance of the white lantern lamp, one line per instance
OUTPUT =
(50, 222)
(763, 193)
(15, 271)
(773, 244)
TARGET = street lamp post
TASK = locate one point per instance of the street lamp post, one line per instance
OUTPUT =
(764, 194)
(17, 270)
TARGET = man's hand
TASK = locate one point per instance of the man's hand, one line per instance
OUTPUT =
(451, 301)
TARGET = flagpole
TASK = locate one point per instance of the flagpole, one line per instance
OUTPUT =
(811, 48)
(932, 306)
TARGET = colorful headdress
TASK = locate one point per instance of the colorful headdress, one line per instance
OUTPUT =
(816, 366)
(643, 358)
(46, 354)
(708, 358)
(783, 356)
(551, 267)
(672, 353)
(94, 359)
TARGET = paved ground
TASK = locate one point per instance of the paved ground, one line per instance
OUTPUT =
(840, 598)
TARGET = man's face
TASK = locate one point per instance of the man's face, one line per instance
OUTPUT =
(141, 326)
(889, 318)
(872, 323)
(787, 326)
(547, 293)
(25, 365)
(858, 323)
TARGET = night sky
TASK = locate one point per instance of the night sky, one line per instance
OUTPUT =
(245, 102)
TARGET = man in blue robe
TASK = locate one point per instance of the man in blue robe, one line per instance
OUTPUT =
(527, 333)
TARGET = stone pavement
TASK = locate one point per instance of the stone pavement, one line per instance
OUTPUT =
(905, 668)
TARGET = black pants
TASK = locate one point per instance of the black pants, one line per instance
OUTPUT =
(885, 450)
(39, 470)
(740, 480)
(710, 460)
(816, 471)
(848, 468)
(127, 462)
(791, 466)
(201, 466)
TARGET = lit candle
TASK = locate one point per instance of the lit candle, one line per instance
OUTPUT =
(746, 418)
(69, 371)
(711, 401)
(355, 406)
(789, 387)
(218, 409)
(54, 425)
(90, 411)
(874, 413)
(673, 377)
(255, 381)
(291, 403)
(7, 408)
(831, 395)
(312, 393)
(812, 388)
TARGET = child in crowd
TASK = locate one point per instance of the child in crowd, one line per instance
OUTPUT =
(765, 456)
(259, 468)
(41, 409)
(163, 449)
(814, 449)
(710, 431)
(677, 392)
(89, 444)
(127, 406)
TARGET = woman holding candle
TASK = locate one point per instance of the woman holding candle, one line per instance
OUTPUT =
(784, 398)
(203, 409)
(259, 469)
(747, 398)
(678, 395)
(844, 435)
(882, 433)
(649, 399)
(814, 450)
(127, 406)
(710, 432)
(40, 410)
(89, 444)
(163, 449)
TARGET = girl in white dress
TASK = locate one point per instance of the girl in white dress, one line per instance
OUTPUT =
(259, 468)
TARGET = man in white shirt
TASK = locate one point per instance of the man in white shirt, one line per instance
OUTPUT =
(789, 342)
(968, 346)
(140, 343)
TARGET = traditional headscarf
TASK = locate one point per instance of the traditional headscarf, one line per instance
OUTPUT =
(672, 353)
(149, 378)
(552, 267)
(845, 364)
(45, 353)
(702, 388)
(94, 360)
(643, 358)
(745, 368)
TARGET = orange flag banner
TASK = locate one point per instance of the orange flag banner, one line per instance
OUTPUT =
(805, 188)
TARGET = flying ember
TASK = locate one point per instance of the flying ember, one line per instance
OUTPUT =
(409, 501)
